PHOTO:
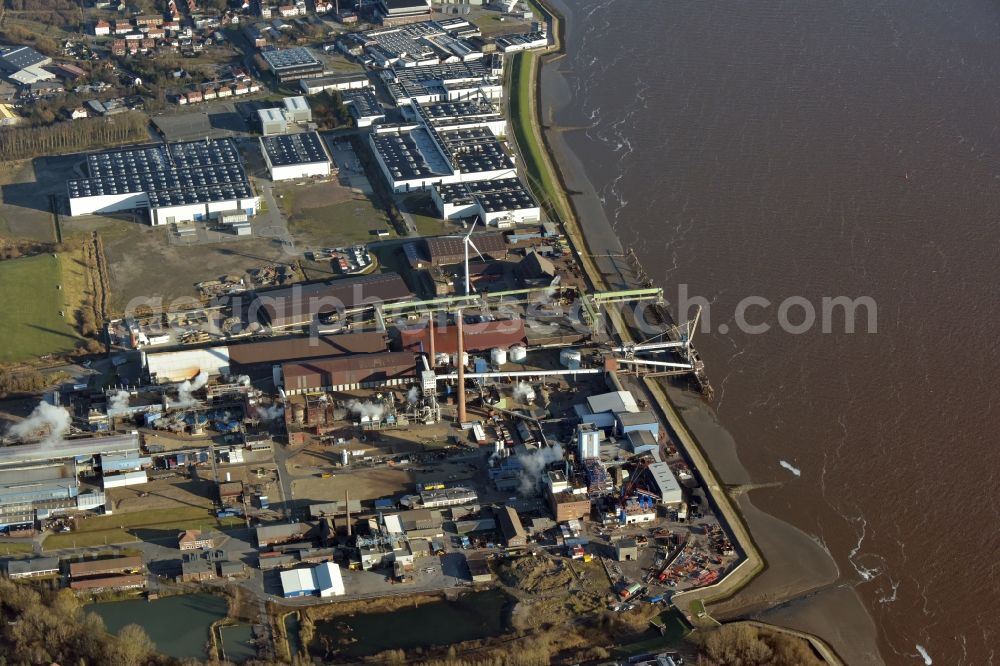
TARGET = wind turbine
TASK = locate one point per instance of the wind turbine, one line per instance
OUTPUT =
(466, 242)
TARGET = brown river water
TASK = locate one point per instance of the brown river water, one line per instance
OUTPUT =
(804, 149)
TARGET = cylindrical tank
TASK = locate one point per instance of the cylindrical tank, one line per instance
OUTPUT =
(570, 358)
(464, 361)
(498, 356)
(299, 413)
(518, 354)
(343, 458)
(229, 477)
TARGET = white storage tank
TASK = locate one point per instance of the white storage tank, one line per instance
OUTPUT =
(518, 354)
(343, 458)
(464, 360)
(498, 356)
(570, 358)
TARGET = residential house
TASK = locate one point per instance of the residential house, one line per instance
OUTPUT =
(193, 540)
(102, 28)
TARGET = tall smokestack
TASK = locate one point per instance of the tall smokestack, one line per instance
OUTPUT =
(347, 509)
(461, 369)
(430, 331)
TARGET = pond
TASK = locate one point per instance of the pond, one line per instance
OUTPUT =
(178, 626)
(471, 616)
(292, 631)
(237, 642)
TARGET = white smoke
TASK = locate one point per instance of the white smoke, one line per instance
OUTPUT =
(372, 410)
(119, 400)
(413, 395)
(270, 413)
(46, 423)
(185, 391)
(533, 463)
(523, 392)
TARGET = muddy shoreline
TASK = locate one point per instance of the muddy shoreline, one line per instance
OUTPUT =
(799, 588)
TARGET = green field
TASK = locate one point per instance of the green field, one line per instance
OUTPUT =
(16, 548)
(30, 317)
(526, 133)
(137, 526)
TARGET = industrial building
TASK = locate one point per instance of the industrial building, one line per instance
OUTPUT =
(292, 64)
(303, 304)
(341, 82)
(324, 580)
(105, 567)
(108, 583)
(347, 373)
(272, 121)
(569, 506)
(478, 337)
(448, 250)
(461, 114)
(503, 202)
(363, 106)
(196, 570)
(511, 527)
(523, 42)
(422, 43)
(178, 182)
(269, 535)
(445, 82)
(36, 567)
(293, 156)
(666, 485)
(24, 65)
(296, 109)
(417, 157)
(394, 12)
(177, 366)
(601, 410)
(634, 421)
(81, 451)
(267, 352)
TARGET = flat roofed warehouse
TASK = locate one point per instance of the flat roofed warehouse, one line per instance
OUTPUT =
(363, 106)
(493, 201)
(20, 57)
(292, 64)
(178, 182)
(290, 349)
(448, 81)
(346, 373)
(291, 156)
(22, 454)
(419, 157)
(459, 114)
(301, 304)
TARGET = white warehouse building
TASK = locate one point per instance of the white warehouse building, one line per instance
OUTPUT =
(178, 182)
(292, 156)
(503, 202)
(416, 157)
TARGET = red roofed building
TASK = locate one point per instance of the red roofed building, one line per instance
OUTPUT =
(478, 337)
(346, 373)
